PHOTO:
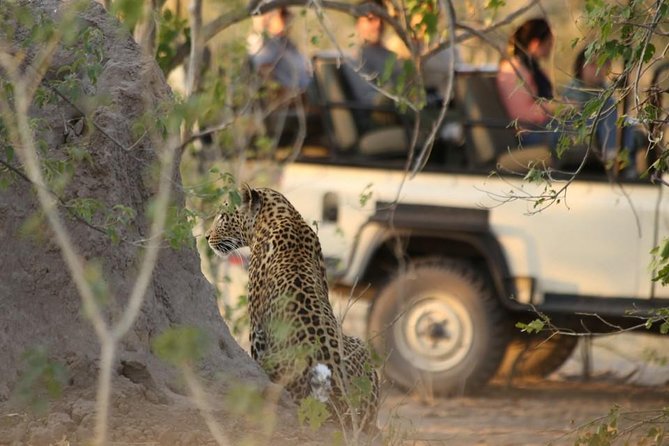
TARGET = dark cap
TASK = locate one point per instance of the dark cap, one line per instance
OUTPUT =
(379, 3)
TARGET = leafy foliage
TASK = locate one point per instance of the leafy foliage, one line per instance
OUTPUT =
(645, 429)
(366, 195)
(42, 379)
(359, 390)
(172, 30)
(179, 229)
(74, 80)
(661, 316)
(181, 346)
(245, 400)
(661, 262)
(95, 277)
(130, 12)
(237, 316)
(117, 218)
(604, 431)
(535, 326)
(312, 413)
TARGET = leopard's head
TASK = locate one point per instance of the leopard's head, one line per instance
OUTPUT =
(232, 227)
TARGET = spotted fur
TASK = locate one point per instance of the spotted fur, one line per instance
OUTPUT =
(294, 333)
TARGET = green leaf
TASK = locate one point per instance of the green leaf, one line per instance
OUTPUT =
(366, 195)
(85, 208)
(665, 249)
(41, 379)
(495, 4)
(181, 345)
(534, 175)
(388, 70)
(535, 326)
(179, 227)
(9, 153)
(235, 198)
(360, 390)
(130, 12)
(312, 412)
(664, 328)
(648, 53)
(245, 399)
(93, 274)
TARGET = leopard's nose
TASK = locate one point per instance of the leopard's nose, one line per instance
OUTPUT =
(206, 237)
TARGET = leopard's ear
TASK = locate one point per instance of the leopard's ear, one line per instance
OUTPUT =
(251, 199)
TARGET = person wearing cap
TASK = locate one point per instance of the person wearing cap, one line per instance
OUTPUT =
(372, 60)
(277, 56)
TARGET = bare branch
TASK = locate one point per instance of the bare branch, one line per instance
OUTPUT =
(24, 177)
(429, 143)
(197, 46)
(470, 32)
(76, 107)
(200, 399)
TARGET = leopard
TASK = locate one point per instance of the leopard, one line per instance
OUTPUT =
(294, 334)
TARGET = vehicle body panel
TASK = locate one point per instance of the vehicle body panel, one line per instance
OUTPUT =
(595, 242)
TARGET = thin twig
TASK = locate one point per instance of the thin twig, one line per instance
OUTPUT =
(242, 13)
(74, 215)
(421, 161)
(646, 41)
(200, 398)
(76, 107)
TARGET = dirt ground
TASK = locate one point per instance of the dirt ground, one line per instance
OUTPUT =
(529, 413)
(538, 412)
(556, 410)
(526, 413)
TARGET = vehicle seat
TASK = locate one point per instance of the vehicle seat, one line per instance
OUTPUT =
(338, 109)
(659, 97)
(490, 137)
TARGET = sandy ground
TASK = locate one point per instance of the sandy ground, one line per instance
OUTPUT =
(538, 412)
(557, 410)
(529, 413)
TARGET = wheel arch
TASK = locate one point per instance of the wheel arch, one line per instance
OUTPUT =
(415, 231)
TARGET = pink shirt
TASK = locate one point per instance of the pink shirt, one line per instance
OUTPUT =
(518, 93)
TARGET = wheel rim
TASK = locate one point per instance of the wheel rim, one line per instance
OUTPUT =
(435, 333)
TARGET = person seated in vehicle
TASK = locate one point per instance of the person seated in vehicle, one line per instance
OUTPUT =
(286, 73)
(437, 68)
(590, 84)
(437, 65)
(371, 72)
(525, 89)
(373, 65)
(377, 66)
(277, 57)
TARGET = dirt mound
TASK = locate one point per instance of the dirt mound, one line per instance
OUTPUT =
(41, 306)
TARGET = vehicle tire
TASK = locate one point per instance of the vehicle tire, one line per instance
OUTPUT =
(437, 326)
(536, 356)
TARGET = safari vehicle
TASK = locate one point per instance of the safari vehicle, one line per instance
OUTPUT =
(454, 257)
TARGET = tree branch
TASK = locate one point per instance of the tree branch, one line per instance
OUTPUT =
(24, 177)
(256, 7)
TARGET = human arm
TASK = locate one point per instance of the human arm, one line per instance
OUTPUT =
(518, 92)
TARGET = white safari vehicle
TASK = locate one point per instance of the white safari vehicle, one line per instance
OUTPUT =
(454, 257)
